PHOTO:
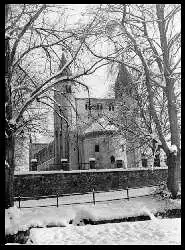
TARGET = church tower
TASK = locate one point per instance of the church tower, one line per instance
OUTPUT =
(123, 84)
(124, 97)
(62, 116)
(124, 89)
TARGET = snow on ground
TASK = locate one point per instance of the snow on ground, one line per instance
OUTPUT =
(21, 219)
(13, 244)
(151, 232)
(36, 217)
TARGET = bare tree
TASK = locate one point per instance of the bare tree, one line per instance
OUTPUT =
(146, 40)
(34, 47)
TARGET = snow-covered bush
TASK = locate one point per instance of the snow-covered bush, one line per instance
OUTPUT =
(161, 192)
(12, 218)
(173, 149)
(82, 213)
(14, 213)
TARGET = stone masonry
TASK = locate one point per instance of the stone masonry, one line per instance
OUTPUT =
(63, 182)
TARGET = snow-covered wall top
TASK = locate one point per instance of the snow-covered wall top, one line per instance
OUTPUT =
(85, 171)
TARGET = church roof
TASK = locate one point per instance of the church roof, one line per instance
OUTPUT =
(100, 125)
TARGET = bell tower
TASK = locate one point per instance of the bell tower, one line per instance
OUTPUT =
(123, 84)
(124, 97)
(62, 115)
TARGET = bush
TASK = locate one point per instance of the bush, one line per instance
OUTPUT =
(162, 192)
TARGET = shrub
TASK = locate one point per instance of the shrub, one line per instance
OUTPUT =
(161, 192)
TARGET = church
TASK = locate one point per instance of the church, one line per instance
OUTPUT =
(84, 137)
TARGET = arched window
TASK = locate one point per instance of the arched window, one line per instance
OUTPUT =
(112, 159)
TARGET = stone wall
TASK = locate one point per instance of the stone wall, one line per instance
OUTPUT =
(63, 182)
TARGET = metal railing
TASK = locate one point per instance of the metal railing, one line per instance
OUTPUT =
(93, 200)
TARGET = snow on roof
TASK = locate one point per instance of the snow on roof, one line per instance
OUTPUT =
(92, 159)
(33, 160)
(100, 125)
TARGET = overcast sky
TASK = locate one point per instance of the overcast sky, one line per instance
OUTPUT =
(98, 82)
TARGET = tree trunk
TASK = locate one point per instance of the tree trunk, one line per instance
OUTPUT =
(9, 148)
(9, 151)
(9, 172)
(173, 163)
(173, 160)
(9, 133)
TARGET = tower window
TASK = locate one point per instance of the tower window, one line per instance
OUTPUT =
(68, 89)
(87, 106)
(96, 148)
(111, 108)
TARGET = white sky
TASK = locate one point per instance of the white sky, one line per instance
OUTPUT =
(96, 82)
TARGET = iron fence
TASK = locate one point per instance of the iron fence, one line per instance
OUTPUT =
(93, 200)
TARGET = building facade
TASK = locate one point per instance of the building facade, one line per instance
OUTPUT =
(83, 132)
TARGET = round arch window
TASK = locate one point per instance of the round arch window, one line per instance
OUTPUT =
(112, 159)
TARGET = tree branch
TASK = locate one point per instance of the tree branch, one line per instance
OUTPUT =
(32, 19)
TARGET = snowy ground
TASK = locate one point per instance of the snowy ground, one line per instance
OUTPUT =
(155, 231)
(151, 232)
(21, 219)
